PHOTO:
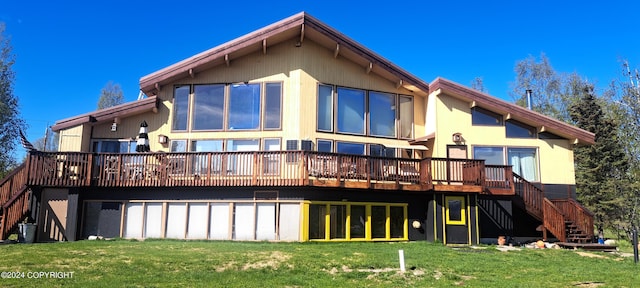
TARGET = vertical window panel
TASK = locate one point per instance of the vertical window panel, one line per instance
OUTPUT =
(378, 221)
(382, 114)
(219, 223)
(273, 105)
(325, 108)
(289, 222)
(266, 221)
(208, 107)
(358, 221)
(351, 108)
(176, 220)
(338, 221)
(406, 116)
(244, 221)
(198, 219)
(153, 220)
(325, 146)
(180, 107)
(133, 224)
(244, 107)
(397, 221)
(317, 221)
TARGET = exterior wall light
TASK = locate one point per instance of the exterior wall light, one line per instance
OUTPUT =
(163, 139)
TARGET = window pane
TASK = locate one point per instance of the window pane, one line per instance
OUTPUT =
(524, 162)
(454, 208)
(208, 107)
(491, 155)
(358, 217)
(243, 145)
(179, 146)
(481, 116)
(350, 148)
(338, 221)
(382, 114)
(406, 116)
(272, 105)
(324, 146)
(180, 107)
(397, 222)
(271, 144)
(206, 146)
(378, 221)
(325, 108)
(519, 130)
(317, 221)
(350, 111)
(199, 164)
(244, 106)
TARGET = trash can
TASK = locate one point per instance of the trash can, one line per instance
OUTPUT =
(26, 232)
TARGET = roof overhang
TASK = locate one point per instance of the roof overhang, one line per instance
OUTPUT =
(422, 140)
(511, 111)
(109, 114)
(300, 26)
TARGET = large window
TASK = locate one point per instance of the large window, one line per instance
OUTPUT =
(362, 112)
(524, 161)
(515, 129)
(243, 106)
(272, 106)
(208, 108)
(382, 114)
(114, 146)
(484, 117)
(181, 107)
(357, 221)
(351, 110)
(406, 116)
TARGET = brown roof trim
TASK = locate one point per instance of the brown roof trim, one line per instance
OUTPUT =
(109, 114)
(516, 112)
(149, 84)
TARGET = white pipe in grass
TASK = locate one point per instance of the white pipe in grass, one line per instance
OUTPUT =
(401, 254)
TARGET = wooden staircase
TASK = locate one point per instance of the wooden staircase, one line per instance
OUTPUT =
(15, 199)
(566, 219)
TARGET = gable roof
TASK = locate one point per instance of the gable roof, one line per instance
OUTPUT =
(109, 114)
(300, 26)
(512, 111)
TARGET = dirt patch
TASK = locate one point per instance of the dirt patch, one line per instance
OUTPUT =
(273, 260)
(589, 284)
(591, 255)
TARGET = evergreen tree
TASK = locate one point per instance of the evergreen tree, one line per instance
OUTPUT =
(111, 95)
(602, 167)
(10, 121)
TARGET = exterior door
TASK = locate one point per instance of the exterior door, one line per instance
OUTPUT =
(456, 216)
(455, 171)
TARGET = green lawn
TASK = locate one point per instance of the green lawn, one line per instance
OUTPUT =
(160, 263)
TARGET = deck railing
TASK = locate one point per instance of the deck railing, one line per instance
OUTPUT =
(258, 168)
(14, 200)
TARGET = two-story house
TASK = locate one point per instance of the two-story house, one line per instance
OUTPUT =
(295, 132)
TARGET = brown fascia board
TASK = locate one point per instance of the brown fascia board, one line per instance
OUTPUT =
(518, 113)
(181, 69)
(109, 114)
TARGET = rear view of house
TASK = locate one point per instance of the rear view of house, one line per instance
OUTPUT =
(296, 132)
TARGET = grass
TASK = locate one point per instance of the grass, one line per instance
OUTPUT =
(167, 263)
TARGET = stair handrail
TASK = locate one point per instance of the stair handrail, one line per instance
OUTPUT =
(554, 220)
(576, 213)
(533, 196)
(14, 199)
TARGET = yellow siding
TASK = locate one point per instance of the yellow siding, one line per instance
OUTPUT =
(454, 116)
(300, 69)
(75, 138)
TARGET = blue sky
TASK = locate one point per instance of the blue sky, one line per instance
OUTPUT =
(66, 51)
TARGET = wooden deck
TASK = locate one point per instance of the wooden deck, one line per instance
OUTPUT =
(265, 168)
